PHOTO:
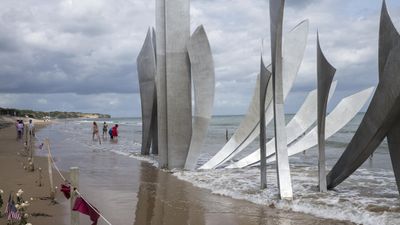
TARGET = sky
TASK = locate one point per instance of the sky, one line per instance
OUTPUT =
(80, 55)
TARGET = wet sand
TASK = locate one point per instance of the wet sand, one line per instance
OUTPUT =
(127, 191)
(13, 177)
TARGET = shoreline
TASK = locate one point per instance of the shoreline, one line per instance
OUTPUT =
(15, 177)
(127, 188)
(149, 196)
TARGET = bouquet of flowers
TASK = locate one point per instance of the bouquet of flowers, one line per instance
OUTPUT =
(22, 207)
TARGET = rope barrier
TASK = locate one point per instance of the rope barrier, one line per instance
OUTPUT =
(75, 190)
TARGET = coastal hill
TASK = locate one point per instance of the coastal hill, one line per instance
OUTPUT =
(53, 114)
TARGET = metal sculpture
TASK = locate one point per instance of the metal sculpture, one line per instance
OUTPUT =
(325, 73)
(276, 8)
(297, 126)
(382, 116)
(146, 66)
(202, 71)
(248, 130)
(161, 82)
(154, 124)
(173, 82)
(265, 76)
(337, 119)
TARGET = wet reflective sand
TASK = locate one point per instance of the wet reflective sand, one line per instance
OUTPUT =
(128, 191)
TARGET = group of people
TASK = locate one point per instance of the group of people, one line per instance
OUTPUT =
(113, 131)
(20, 127)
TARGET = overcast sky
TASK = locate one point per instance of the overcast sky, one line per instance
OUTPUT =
(79, 55)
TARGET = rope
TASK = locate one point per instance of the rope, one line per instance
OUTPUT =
(91, 206)
(76, 190)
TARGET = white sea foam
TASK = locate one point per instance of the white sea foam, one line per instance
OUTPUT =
(369, 196)
(150, 158)
(359, 205)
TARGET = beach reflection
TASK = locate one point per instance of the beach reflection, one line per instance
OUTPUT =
(165, 200)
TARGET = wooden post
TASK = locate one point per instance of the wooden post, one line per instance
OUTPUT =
(31, 165)
(74, 177)
(50, 168)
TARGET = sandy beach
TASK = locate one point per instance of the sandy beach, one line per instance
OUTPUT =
(14, 177)
(128, 191)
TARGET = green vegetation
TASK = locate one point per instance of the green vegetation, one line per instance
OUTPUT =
(54, 114)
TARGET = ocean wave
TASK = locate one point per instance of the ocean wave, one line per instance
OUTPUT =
(348, 202)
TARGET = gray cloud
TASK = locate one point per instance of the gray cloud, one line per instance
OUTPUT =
(84, 52)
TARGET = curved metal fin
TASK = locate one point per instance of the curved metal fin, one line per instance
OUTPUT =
(381, 114)
(325, 73)
(203, 75)
(248, 130)
(381, 118)
(296, 128)
(146, 67)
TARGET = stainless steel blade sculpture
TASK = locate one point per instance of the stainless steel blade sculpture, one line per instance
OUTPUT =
(202, 70)
(146, 66)
(276, 8)
(173, 82)
(297, 126)
(161, 82)
(265, 76)
(325, 73)
(248, 130)
(336, 120)
(154, 124)
(382, 116)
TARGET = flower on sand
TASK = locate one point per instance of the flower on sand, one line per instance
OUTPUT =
(1, 191)
(19, 192)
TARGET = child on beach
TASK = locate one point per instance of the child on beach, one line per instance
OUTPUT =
(96, 132)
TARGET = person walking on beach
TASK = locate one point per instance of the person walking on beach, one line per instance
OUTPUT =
(31, 128)
(20, 129)
(96, 131)
(105, 129)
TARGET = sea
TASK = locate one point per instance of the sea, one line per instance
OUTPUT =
(369, 196)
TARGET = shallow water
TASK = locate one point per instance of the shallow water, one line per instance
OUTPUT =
(369, 196)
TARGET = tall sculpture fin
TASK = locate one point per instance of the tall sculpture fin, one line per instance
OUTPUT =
(146, 66)
(248, 130)
(174, 103)
(325, 73)
(381, 114)
(179, 101)
(203, 75)
(276, 8)
(381, 118)
(265, 77)
(161, 82)
(154, 124)
(297, 126)
(388, 38)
